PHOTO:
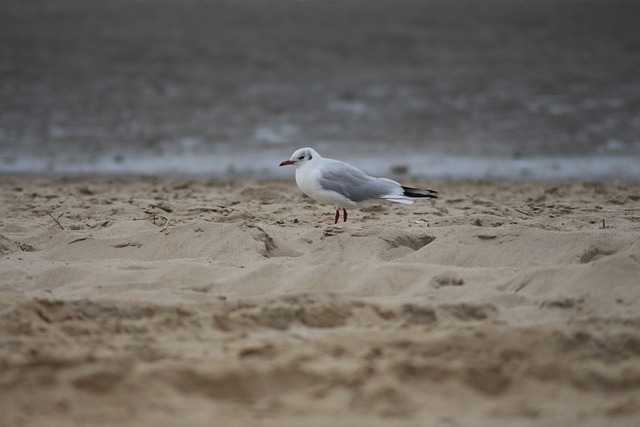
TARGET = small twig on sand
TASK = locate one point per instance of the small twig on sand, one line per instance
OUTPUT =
(153, 218)
(56, 220)
(166, 223)
(603, 226)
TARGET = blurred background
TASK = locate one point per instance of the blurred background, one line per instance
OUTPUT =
(534, 89)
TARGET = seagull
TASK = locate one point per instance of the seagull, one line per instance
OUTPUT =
(340, 184)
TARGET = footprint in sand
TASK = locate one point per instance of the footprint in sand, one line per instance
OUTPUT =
(411, 241)
(332, 230)
(594, 253)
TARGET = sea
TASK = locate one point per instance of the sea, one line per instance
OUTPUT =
(433, 89)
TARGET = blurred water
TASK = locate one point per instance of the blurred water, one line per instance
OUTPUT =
(542, 89)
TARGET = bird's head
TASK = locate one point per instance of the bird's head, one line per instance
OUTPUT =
(301, 156)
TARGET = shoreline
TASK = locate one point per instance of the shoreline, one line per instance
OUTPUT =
(424, 166)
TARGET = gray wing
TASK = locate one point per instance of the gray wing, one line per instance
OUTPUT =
(354, 184)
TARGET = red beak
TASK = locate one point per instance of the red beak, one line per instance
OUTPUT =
(286, 162)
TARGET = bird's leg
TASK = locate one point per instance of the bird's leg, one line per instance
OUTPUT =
(344, 211)
(337, 216)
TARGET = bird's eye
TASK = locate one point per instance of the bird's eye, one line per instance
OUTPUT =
(301, 158)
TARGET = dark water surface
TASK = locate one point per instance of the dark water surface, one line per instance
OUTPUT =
(433, 88)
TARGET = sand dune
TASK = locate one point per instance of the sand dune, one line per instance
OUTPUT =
(153, 302)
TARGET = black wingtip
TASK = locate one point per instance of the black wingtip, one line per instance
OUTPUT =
(419, 192)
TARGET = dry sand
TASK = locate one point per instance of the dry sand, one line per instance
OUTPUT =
(188, 302)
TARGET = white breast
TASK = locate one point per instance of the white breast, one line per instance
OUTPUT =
(307, 179)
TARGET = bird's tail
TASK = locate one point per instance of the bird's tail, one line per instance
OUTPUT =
(399, 199)
(418, 192)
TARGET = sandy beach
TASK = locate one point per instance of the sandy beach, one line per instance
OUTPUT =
(153, 302)
(230, 299)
